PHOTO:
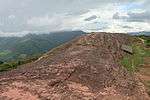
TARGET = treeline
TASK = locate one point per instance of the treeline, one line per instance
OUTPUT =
(5, 66)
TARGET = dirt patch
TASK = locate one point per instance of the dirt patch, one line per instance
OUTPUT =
(144, 74)
(18, 94)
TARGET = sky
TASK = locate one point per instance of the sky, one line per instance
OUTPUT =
(19, 17)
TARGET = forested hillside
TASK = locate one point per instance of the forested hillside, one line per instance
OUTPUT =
(13, 48)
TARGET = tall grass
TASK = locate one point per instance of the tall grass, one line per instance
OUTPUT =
(132, 62)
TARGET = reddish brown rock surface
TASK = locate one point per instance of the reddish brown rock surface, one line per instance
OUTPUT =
(87, 68)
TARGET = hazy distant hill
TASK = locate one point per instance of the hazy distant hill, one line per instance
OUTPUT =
(12, 48)
(140, 33)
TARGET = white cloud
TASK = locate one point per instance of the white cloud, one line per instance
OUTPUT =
(17, 34)
(55, 22)
(103, 22)
(57, 15)
(42, 21)
(11, 16)
(118, 26)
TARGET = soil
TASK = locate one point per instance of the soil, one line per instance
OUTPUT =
(144, 74)
(86, 68)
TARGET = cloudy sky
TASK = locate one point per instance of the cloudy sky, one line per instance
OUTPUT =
(19, 17)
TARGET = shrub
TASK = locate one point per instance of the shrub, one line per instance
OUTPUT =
(1, 62)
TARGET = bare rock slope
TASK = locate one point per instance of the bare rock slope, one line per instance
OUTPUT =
(86, 68)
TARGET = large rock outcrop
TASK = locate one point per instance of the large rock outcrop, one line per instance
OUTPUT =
(86, 68)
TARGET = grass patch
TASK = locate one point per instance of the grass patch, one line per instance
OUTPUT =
(132, 62)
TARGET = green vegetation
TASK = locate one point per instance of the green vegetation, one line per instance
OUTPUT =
(15, 51)
(4, 53)
(5, 66)
(1, 62)
(132, 62)
(146, 40)
(14, 48)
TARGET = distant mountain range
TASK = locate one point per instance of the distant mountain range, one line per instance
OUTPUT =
(12, 48)
(140, 33)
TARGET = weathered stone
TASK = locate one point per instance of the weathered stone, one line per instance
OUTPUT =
(127, 48)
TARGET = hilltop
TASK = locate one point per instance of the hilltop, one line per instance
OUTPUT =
(86, 68)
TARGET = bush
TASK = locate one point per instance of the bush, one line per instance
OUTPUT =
(147, 43)
(1, 62)
(6, 67)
